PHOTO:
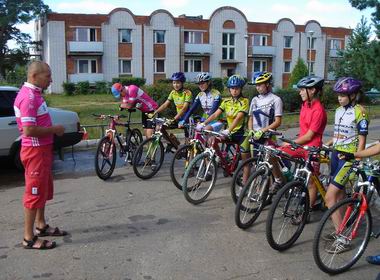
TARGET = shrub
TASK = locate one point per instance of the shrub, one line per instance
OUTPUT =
(68, 88)
(82, 88)
(218, 84)
(102, 87)
(329, 98)
(290, 98)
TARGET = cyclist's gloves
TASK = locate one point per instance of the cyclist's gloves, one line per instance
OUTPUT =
(226, 132)
(169, 122)
(150, 115)
(258, 134)
(181, 123)
(346, 156)
(200, 126)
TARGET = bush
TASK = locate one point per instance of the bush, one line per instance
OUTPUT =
(328, 98)
(218, 84)
(126, 81)
(82, 88)
(68, 88)
(102, 87)
(290, 98)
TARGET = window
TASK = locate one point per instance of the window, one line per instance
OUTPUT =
(125, 66)
(125, 35)
(260, 40)
(86, 34)
(288, 41)
(335, 44)
(159, 36)
(259, 65)
(310, 66)
(159, 66)
(228, 47)
(86, 66)
(7, 98)
(193, 37)
(287, 67)
(312, 45)
(193, 65)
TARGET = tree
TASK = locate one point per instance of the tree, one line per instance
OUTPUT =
(354, 57)
(299, 71)
(364, 4)
(13, 12)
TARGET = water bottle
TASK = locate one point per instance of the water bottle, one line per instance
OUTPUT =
(287, 174)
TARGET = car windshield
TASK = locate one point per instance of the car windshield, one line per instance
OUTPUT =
(7, 98)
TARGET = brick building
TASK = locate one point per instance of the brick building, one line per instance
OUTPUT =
(97, 47)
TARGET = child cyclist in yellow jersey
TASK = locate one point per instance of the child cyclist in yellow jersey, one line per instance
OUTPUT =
(350, 132)
(235, 109)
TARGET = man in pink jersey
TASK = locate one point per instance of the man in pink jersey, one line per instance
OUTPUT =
(37, 132)
(132, 96)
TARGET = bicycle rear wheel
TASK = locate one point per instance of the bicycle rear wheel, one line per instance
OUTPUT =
(148, 158)
(237, 180)
(199, 179)
(133, 141)
(336, 252)
(252, 199)
(105, 158)
(287, 216)
(181, 160)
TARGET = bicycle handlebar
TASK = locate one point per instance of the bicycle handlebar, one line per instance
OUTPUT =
(109, 116)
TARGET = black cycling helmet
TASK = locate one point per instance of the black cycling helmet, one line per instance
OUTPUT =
(311, 82)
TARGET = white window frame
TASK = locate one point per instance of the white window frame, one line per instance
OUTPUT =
(263, 41)
(89, 61)
(229, 47)
(263, 65)
(120, 35)
(190, 65)
(313, 41)
(155, 65)
(332, 45)
(121, 60)
(312, 65)
(290, 66)
(155, 36)
(88, 34)
(192, 37)
(291, 42)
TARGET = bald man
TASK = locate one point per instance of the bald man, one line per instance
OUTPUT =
(37, 132)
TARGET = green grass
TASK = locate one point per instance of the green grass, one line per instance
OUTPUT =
(86, 105)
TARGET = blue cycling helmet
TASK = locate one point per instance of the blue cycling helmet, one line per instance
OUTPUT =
(235, 81)
(116, 89)
(178, 76)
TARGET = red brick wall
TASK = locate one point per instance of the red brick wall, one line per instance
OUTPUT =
(125, 50)
(206, 64)
(229, 24)
(159, 50)
(285, 79)
(287, 54)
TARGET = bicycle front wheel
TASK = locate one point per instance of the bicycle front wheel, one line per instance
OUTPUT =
(287, 216)
(337, 247)
(181, 160)
(148, 158)
(105, 158)
(238, 181)
(252, 199)
(199, 179)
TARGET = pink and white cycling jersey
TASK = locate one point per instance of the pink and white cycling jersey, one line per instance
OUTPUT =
(31, 110)
(136, 95)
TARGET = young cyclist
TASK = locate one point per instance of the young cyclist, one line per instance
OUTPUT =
(265, 113)
(179, 96)
(235, 109)
(350, 132)
(134, 97)
(208, 98)
(312, 121)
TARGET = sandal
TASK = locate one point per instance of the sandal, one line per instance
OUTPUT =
(46, 232)
(43, 246)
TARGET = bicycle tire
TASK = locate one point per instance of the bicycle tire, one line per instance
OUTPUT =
(134, 139)
(190, 190)
(237, 179)
(181, 160)
(324, 259)
(103, 154)
(292, 192)
(252, 199)
(143, 162)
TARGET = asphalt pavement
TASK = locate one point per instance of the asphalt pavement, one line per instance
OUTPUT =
(127, 228)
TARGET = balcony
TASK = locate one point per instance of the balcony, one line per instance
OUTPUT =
(84, 77)
(334, 53)
(88, 48)
(197, 49)
(262, 51)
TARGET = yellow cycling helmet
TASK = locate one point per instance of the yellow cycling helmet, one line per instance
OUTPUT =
(261, 77)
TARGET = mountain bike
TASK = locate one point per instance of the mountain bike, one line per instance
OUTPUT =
(201, 174)
(290, 209)
(150, 154)
(105, 157)
(345, 229)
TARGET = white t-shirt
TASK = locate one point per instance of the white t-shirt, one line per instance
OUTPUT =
(264, 109)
